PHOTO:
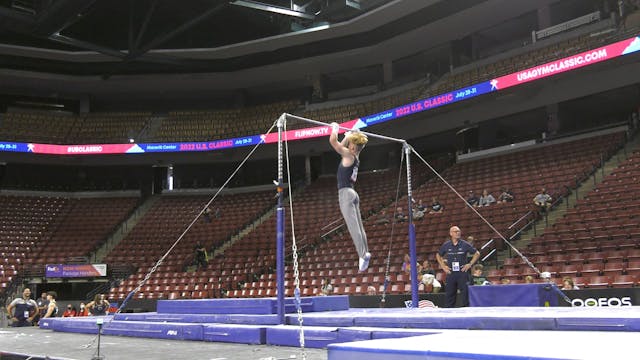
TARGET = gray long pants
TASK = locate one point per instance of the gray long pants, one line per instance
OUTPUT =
(350, 209)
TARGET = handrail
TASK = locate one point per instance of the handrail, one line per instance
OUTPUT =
(521, 229)
(487, 244)
(488, 255)
(517, 221)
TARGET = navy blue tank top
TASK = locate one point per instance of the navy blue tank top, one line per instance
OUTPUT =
(347, 175)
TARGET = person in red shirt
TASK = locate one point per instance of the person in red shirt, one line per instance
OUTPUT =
(70, 312)
(82, 311)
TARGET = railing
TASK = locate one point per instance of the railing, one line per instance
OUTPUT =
(567, 25)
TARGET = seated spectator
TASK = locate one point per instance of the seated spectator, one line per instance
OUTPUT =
(206, 215)
(325, 287)
(83, 310)
(417, 213)
(70, 312)
(406, 264)
(505, 196)
(428, 278)
(546, 277)
(382, 218)
(400, 216)
(473, 199)
(528, 279)
(436, 207)
(477, 277)
(421, 206)
(486, 199)
(505, 281)
(371, 290)
(568, 284)
(542, 201)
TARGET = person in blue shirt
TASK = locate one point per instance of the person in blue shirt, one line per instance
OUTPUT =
(22, 311)
(453, 259)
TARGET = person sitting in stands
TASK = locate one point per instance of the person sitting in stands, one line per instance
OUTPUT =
(567, 284)
(473, 199)
(486, 199)
(436, 206)
(406, 264)
(382, 218)
(428, 278)
(505, 196)
(400, 216)
(206, 214)
(70, 312)
(417, 213)
(542, 201)
(371, 290)
(477, 277)
(325, 287)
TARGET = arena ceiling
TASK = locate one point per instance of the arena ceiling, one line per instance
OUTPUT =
(152, 36)
(169, 49)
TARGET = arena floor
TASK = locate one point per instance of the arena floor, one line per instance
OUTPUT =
(57, 345)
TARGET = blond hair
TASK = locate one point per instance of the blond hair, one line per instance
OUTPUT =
(359, 139)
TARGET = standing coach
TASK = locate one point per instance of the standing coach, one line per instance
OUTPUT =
(454, 252)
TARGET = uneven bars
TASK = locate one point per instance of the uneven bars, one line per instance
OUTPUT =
(295, 117)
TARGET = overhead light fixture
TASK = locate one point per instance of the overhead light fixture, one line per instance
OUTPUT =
(273, 8)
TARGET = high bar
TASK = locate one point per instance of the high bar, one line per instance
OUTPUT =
(295, 117)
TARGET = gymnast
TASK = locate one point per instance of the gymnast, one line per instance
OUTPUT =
(349, 149)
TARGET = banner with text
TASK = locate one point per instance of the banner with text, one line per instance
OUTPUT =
(73, 270)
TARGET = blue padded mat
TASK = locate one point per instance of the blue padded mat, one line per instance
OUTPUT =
(83, 325)
(246, 319)
(490, 318)
(244, 334)
(314, 336)
(174, 331)
(499, 345)
(251, 306)
(368, 333)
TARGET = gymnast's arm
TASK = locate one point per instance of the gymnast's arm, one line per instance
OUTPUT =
(339, 147)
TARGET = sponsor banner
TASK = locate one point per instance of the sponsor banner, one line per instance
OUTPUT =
(200, 146)
(307, 133)
(80, 149)
(569, 63)
(577, 61)
(75, 270)
(610, 297)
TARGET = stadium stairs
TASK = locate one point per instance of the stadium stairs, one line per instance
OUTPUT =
(557, 212)
(123, 229)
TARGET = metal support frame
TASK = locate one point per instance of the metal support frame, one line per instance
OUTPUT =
(280, 228)
(280, 212)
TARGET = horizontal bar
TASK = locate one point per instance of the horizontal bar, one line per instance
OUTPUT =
(320, 123)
